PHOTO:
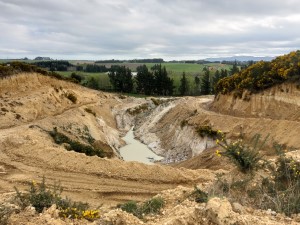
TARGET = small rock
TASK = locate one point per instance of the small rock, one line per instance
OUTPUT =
(30, 210)
(220, 212)
(270, 212)
(237, 207)
(53, 212)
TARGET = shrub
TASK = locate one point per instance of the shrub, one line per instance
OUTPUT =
(246, 157)
(183, 123)
(71, 97)
(131, 207)
(151, 206)
(88, 110)
(18, 116)
(41, 197)
(156, 101)
(4, 109)
(60, 138)
(199, 195)
(77, 78)
(278, 191)
(78, 210)
(206, 130)
(287, 170)
(282, 192)
(235, 188)
(138, 109)
(273, 195)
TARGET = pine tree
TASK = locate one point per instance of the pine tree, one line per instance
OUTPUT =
(234, 69)
(205, 82)
(121, 79)
(144, 80)
(215, 80)
(224, 73)
(197, 85)
(184, 86)
(127, 80)
(163, 83)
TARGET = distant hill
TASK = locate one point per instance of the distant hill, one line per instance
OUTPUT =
(43, 58)
(241, 58)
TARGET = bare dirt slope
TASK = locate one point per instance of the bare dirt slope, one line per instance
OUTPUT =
(33, 104)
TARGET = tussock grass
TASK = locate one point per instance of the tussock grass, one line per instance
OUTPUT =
(152, 206)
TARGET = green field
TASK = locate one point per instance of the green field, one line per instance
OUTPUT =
(175, 68)
(194, 69)
(101, 78)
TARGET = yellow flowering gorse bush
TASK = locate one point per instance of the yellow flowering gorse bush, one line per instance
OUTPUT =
(262, 75)
(244, 156)
(74, 213)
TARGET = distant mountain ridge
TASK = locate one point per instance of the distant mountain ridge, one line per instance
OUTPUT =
(241, 58)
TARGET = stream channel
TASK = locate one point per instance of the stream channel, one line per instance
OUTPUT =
(136, 150)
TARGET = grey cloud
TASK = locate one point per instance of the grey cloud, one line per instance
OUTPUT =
(140, 29)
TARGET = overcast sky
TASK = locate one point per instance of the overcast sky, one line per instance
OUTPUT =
(127, 29)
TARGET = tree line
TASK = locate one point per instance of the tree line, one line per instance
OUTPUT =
(54, 65)
(149, 82)
(156, 81)
(154, 60)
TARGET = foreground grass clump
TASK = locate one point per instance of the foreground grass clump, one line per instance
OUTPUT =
(42, 197)
(60, 138)
(151, 206)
